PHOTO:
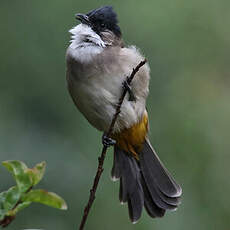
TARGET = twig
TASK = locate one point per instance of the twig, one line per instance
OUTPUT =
(6, 221)
(104, 150)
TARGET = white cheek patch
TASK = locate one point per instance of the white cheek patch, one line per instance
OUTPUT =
(81, 33)
(85, 43)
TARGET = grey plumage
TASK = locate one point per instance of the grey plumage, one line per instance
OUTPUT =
(125, 167)
(97, 66)
(145, 182)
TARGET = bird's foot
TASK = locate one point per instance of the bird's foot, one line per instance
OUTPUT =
(126, 85)
(107, 141)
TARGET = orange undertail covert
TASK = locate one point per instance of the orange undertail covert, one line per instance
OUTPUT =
(131, 139)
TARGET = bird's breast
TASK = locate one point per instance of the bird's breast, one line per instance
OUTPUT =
(96, 97)
(96, 87)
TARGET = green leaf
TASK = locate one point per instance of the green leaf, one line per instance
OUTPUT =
(2, 215)
(37, 172)
(2, 210)
(44, 197)
(14, 167)
(19, 207)
(8, 200)
(18, 170)
(2, 201)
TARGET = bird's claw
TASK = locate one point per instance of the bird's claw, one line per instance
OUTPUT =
(107, 141)
(127, 86)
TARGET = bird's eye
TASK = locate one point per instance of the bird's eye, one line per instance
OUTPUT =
(87, 40)
(102, 25)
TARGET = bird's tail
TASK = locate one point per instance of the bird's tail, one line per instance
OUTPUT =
(145, 183)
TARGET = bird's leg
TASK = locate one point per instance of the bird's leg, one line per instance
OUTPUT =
(127, 86)
(107, 141)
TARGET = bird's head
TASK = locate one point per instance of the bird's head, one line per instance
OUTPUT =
(98, 27)
(101, 20)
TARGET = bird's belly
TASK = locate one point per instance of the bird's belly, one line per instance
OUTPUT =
(97, 98)
(96, 103)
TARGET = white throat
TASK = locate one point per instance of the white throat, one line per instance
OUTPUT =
(85, 43)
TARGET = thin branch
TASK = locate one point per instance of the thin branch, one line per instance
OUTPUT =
(6, 221)
(104, 150)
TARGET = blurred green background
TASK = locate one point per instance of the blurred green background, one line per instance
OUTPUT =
(187, 44)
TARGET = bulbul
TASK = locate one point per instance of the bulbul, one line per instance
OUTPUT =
(98, 63)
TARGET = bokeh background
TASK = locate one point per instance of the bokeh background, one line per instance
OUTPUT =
(187, 44)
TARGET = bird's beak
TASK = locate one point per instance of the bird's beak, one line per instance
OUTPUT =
(83, 18)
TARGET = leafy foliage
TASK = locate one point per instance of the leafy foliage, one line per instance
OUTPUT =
(19, 171)
(22, 195)
(44, 197)
(8, 200)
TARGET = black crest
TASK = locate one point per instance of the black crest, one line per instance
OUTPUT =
(104, 18)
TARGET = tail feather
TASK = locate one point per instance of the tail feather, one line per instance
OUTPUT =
(152, 209)
(169, 200)
(116, 172)
(158, 175)
(145, 183)
(155, 195)
(130, 188)
(136, 201)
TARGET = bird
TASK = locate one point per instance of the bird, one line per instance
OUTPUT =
(97, 64)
